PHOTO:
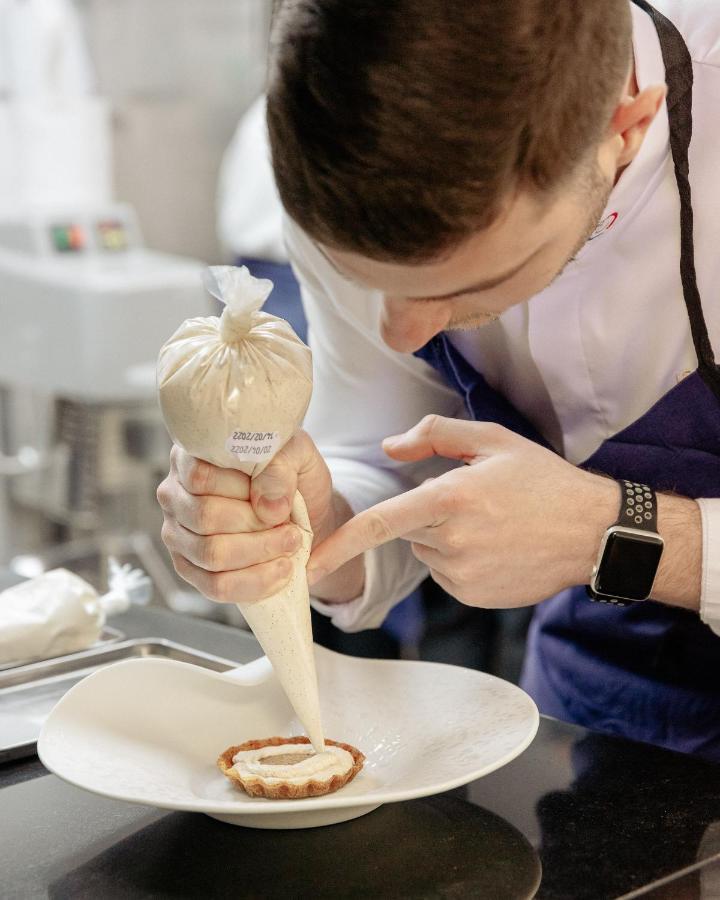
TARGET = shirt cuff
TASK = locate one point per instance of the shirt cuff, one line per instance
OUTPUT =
(391, 571)
(710, 593)
(360, 613)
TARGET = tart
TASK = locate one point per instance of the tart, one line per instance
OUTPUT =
(287, 768)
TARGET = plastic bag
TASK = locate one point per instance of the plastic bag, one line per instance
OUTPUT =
(234, 390)
(58, 612)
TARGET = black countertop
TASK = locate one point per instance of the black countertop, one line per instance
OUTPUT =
(577, 816)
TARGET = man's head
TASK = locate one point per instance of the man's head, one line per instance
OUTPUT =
(452, 154)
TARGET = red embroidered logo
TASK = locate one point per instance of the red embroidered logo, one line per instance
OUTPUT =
(605, 225)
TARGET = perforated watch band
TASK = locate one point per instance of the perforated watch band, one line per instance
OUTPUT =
(602, 598)
(638, 508)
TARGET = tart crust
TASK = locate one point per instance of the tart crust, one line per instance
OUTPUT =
(284, 790)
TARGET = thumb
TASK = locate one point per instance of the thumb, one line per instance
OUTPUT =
(450, 438)
(272, 491)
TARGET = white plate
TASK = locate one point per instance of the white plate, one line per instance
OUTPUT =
(150, 730)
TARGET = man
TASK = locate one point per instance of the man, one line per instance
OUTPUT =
(489, 212)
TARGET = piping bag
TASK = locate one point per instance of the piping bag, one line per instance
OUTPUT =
(58, 612)
(233, 390)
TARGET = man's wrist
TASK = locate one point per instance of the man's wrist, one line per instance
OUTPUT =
(679, 578)
(600, 504)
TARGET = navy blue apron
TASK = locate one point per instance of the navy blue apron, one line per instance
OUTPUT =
(646, 671)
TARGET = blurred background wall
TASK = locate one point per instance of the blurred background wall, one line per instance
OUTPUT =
(82, 450)
(179, 74)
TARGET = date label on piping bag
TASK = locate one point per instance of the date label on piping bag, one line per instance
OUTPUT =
(251, 446)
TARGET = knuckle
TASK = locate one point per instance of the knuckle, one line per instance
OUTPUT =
(181, 566)
(437, 511)
(455, 538)
(212, 554)
(199, 476)
(378, 531)
(430, 423)
(273, 577)
(275, 480)
(451, 499)
(231, 587)
(222, 588)
(302, 443)
(163, 493)
(272, 543)
(178, 454)
(494, 430)
(282, 570)
(204, 516)
(166, 533)
(309, 460)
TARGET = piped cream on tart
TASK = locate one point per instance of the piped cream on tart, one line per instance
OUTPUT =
(287, 768)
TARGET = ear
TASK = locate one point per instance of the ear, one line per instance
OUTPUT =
(632, 119)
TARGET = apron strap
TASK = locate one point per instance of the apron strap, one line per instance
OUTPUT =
(679, 76)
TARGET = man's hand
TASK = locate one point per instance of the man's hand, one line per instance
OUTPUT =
(514, 526)
(229, 535)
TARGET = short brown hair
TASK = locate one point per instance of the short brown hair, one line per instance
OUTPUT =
(398, 127)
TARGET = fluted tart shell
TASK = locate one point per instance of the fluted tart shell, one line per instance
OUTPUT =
(255, 786)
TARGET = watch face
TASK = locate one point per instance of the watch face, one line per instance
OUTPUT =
(629, 564)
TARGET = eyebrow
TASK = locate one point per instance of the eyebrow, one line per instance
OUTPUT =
(473, 289)
(485, 285)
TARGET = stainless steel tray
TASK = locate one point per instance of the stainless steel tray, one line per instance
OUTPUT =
(28, 693)
(107, 636)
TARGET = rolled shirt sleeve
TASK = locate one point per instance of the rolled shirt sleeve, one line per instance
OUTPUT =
(391, 571)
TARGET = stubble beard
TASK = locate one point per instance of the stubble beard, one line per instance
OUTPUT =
(595, 191)
(598, 194)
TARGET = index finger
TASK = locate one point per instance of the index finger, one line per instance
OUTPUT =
(377, 525)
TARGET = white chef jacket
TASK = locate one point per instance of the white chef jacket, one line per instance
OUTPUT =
(249, 212)
(582, 360)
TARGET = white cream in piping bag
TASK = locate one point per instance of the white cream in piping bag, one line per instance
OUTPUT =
(233, 391)
(282, 625)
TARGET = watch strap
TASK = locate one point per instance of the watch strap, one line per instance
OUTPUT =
(606, 598)
(638, 506)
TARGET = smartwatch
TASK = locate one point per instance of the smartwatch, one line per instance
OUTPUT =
(630, 551)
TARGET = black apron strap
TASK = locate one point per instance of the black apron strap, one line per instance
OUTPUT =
(679, 77)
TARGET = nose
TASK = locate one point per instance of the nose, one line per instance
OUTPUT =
(407, 325)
